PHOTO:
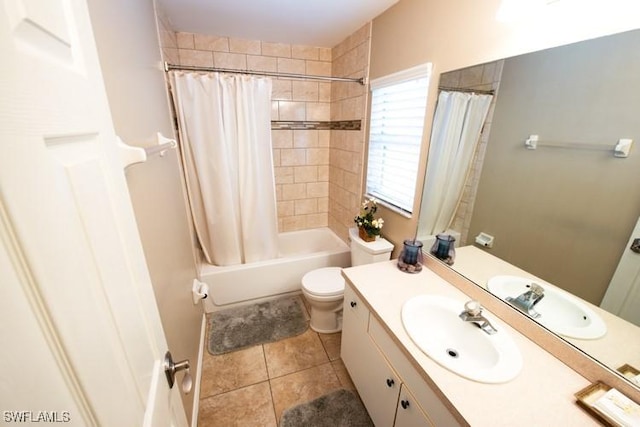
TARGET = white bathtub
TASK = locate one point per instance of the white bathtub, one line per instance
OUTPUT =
(301, 251)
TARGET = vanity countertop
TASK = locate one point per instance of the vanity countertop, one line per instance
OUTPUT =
(541, 395)
(617, 348)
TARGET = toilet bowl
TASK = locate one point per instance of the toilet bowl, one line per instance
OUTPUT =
(323, 288)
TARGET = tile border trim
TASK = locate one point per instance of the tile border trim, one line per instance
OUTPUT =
(316, 125)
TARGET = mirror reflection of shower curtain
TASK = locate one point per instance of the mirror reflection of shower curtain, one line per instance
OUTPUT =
(224, 123)
(456, 130)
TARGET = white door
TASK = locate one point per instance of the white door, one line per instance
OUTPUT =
(623, 294)
(80, 333)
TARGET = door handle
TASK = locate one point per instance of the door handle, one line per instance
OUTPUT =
(635, 245)
(171, 368)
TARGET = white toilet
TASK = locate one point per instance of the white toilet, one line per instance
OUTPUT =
(323, 288)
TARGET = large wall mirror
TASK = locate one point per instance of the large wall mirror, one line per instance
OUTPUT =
(561, 215)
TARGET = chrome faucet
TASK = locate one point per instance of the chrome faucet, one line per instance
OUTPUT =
(527, 300)
(473, 313)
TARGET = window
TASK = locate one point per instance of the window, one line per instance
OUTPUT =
(398, 106)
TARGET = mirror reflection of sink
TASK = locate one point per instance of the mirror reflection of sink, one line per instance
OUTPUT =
(559, 311)
(434, 325)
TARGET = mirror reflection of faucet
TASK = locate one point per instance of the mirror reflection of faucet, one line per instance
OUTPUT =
(473, 313)
(527, 300)
(560, 311)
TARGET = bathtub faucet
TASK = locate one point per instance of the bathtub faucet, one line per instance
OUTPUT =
(527, 300)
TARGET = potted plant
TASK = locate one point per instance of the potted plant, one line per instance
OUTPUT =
(368, 226)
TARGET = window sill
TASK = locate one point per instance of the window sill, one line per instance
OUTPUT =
(392, 208)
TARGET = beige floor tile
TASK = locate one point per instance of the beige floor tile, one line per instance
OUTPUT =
(331, 344)
(248, 406)
(294, 354)
(343, 375)
(302, 386)
(226, 372)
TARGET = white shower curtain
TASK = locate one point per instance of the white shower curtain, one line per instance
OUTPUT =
(456, 130)
(225, 131)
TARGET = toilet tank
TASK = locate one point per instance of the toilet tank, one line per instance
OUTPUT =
(368, 252)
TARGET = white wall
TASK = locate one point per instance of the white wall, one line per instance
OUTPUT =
(128, 47)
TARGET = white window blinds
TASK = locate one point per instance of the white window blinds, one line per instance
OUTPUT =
(398, 106)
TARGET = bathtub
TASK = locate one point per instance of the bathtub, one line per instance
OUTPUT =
(300, 252)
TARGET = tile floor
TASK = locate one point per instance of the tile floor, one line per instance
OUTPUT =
(252, 387)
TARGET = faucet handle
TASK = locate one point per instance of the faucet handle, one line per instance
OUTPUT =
(473, 307)
(536, 289)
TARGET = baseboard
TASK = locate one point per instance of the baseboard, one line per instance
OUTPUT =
(196, 391)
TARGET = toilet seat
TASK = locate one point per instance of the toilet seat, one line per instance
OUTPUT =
(324, 282)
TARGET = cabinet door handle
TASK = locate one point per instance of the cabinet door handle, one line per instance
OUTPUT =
(353, 303)
(390, 382)
(404, 404)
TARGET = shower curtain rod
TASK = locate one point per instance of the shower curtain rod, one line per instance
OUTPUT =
(479, 91)
(169, 67)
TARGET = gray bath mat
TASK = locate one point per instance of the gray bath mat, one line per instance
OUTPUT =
(341, 408)
(251, 325)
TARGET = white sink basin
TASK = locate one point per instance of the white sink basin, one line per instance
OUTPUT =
(559, 311)
(433, 324)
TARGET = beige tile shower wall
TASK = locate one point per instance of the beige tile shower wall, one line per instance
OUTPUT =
(301, 157)
(348, 102)
(480, 77)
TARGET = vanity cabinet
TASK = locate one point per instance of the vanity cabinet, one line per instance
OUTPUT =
(391, 389)
(377, 384)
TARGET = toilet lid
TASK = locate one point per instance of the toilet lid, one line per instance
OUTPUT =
(324, 281)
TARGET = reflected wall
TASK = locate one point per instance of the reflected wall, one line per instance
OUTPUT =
(564, 214)
(456, 34)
